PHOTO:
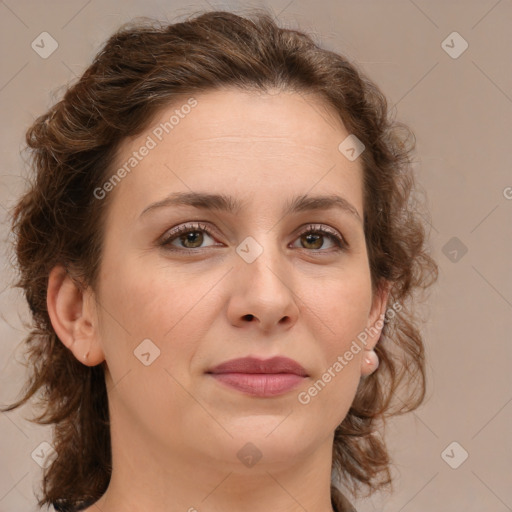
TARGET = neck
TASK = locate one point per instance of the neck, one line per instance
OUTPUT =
(146, 479)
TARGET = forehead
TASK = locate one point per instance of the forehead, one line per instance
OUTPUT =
(226, 139)
(293, 116)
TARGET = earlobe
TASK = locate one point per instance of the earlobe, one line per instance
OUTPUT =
(370, 360)
(73, 316)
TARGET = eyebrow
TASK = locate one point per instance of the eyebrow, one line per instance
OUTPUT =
(222, 202)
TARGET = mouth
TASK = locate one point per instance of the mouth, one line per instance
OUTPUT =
(260, 377)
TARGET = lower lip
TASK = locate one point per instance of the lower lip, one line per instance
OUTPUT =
(260, 384)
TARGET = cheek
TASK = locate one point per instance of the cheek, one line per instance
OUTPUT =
(146, 326)
(342, 305)
(138, 304)
(342, 310)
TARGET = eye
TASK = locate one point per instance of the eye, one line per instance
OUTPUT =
(189, 236)
(313, 238)
(192, 236)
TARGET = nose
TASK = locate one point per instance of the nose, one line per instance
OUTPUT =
(263, 294)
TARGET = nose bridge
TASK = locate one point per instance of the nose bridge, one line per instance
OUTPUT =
(263, 263)
(263, 288)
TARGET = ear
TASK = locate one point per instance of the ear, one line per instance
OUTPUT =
(73, 316)
(377, 313)
(370, 360)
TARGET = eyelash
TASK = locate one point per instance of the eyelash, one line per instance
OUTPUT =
(341, 244)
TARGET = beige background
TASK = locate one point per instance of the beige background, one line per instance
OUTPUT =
(461, 112)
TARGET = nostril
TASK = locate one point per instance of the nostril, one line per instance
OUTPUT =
(249, 317)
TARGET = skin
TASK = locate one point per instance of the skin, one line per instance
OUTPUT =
(175, 430)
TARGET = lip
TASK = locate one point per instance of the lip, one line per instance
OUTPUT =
(260, 377)
(278, 364)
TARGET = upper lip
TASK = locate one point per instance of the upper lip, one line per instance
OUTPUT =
(277, 364)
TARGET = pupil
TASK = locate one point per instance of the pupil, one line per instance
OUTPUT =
(314, 237)
(189, 237)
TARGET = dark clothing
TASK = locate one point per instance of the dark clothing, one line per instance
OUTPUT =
(63, 508)
(338, 501)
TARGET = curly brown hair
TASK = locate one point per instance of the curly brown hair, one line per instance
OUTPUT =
(143, 67)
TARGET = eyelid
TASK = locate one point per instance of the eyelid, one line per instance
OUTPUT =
(336, 236)
(325, 228)
(184, 228)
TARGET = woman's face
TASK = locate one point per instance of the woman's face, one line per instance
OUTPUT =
(244, 282)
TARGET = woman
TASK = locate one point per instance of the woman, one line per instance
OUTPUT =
(219, 250)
